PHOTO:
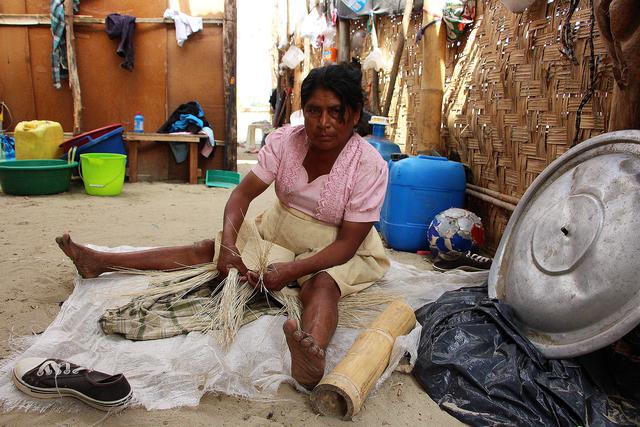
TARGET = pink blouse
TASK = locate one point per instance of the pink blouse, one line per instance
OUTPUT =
(353, 191)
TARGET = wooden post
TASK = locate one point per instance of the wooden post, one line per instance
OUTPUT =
(406, 18)
(74, 81)
(432, 82)
(229, 64)
(344, 40)
(343, 391)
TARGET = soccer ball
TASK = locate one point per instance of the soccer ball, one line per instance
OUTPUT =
(454, 232)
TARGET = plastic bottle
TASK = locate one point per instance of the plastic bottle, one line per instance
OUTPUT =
(138, 123)
(329, 50)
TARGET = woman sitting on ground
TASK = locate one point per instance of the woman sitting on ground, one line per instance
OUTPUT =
(330, 185)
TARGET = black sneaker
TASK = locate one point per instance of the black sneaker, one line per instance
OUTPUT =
(53, 378)
(467, 262)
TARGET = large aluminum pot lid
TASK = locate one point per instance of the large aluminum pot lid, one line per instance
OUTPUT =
(569, 260)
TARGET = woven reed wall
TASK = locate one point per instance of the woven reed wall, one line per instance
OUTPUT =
(511, 104)
(511, 97)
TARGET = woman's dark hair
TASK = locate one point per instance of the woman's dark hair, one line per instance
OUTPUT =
(343, 79)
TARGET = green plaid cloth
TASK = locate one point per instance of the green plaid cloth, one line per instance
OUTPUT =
(150, 318)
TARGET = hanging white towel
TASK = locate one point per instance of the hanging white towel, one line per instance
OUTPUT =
(185, 24)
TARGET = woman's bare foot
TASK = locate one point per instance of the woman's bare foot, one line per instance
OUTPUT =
(307, 358)
(86, 260)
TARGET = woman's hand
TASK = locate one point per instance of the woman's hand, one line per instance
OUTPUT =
(278, 276)
(234, 212)
(230, 258)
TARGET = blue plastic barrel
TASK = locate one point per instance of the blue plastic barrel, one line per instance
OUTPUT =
(419, 188)
(382, 144)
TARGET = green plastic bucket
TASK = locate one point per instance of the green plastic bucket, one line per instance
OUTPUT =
(103, 173)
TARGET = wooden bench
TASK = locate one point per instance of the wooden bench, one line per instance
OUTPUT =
(132, 139)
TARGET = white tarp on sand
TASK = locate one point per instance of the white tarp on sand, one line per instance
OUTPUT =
(178, 371)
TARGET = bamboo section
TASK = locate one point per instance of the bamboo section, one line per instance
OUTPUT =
(432, 81)
(74, 80)
(343, 391)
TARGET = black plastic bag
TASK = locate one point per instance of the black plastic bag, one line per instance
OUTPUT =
(475, 364)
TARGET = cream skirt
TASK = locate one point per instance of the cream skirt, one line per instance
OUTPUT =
(284, 234)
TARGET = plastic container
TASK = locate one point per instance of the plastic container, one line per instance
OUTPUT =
(394, 158)
(38, 139)
(107, 139)
(138, 123)
(419, 188)
(103, 173)
(329, 49)
(35, 177)
(221, 178)
(384, 146)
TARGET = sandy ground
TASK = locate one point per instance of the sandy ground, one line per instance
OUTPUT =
(36, 278)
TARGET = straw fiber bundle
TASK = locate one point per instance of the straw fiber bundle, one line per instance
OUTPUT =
(233, 302)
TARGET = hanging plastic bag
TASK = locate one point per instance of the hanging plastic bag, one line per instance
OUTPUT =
(357, 42)
(313, 26)
(292, 57)
(374, 61)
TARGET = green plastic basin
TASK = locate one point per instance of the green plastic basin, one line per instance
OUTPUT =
(35, 177)
(221, 178)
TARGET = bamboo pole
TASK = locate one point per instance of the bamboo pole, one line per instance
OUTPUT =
(492, 200)
(406, 18)
(343, 391)
(74, 80)
(492, 193)
(344, 40)
(229, 75)
(375, 75)
(432, 81)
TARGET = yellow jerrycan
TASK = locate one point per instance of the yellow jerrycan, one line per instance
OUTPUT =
(38, 139)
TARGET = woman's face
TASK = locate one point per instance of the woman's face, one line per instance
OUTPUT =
(325, 129)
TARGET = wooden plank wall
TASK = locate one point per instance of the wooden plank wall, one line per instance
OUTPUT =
(164, 75)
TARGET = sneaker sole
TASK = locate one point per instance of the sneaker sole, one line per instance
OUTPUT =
(461, 268)
(47, 393)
